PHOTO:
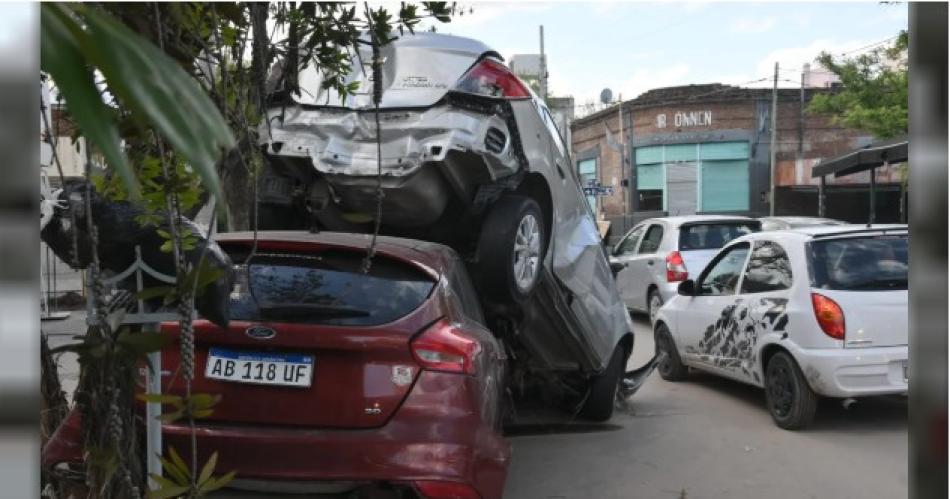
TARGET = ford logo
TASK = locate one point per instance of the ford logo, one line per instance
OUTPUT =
(260, 332)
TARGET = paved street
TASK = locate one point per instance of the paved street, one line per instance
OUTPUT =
(711, 438)
(703, 438)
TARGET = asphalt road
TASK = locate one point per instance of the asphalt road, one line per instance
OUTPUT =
(708, 438)
(703, 438)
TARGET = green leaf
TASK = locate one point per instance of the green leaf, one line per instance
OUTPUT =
(160, 398)
(159, 93)
(178, 462)
(208, 468)
(203, 400)
(162, 481)
(61, 57)
(167, 247)
(214, 484)
(171, 417)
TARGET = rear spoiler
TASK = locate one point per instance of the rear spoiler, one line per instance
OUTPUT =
(886, 230)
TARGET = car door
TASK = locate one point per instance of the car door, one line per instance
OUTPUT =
(706, 321)
(624, 253)
(643, 265)
(764, 294)
(577, 254)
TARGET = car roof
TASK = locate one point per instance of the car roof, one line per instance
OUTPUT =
(677, 221)
(801, 219)
(821, 231)
(432, 257)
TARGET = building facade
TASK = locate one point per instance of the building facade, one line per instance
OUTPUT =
(705, 149)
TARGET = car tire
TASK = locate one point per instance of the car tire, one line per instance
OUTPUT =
(790, 400)
(511, 248)
(653, 308)
(602, 391)
(670, 366)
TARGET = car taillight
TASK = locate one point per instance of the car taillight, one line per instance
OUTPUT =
(492, 79)
(675, 267)
(433, 489)
(829, 315)
(445, 347)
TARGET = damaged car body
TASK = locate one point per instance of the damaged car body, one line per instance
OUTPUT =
(468, 156)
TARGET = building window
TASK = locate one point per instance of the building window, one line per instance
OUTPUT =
(587, 173)
(650, 199)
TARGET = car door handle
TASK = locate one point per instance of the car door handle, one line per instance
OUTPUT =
(559, 170)
(650, 262)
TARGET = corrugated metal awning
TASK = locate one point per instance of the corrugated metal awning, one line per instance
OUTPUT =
(859, 160)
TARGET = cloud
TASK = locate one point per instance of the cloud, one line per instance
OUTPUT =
(792, 58)
(648, 79)
(751, 26)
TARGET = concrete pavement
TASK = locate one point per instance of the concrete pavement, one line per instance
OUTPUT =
(711, 438)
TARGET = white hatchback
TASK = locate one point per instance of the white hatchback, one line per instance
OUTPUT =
(816, 311)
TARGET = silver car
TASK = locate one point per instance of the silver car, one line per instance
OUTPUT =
(469, 157)
(785, 223)
(659, 253)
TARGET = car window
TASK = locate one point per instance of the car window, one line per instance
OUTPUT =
(859, 264)
(769, 269)
(629, 243)
(326, 288)
(552, 128)
(713, 235)
(652, 239)
(722, 276)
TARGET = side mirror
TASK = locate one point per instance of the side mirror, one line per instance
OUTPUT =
(687, 288)
(616, 267)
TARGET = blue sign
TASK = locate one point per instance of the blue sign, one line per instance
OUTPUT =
(594, 188)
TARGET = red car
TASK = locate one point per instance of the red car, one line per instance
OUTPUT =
(335, 381)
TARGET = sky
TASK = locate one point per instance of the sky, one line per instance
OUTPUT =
(632, 47)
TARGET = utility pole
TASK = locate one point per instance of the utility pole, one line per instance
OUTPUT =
(772, 144)
(801, 123)
(623, 165)
(543, 77)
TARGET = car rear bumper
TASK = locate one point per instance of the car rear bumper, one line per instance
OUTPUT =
(855, 372)
(433, 436)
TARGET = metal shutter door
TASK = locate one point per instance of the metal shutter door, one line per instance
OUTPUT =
(681, 188)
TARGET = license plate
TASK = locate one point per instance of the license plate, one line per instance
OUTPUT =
(259, 368)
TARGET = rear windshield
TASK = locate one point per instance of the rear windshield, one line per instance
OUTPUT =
(713, 236)
(327, 288)
(859, 264)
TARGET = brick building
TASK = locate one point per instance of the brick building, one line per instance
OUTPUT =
(705, 149)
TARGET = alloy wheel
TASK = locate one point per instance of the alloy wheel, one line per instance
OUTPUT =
(527, 252)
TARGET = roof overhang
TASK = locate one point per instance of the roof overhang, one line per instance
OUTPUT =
(872, 156)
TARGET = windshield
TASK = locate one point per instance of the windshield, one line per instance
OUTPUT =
(860, 264)
(713, 235)
(327, 288)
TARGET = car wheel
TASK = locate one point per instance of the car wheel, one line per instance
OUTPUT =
(511, 247)
(654, 302)
(602, 391)
(670, 365)
(790, 400)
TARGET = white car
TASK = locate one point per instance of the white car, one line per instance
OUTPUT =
(658, 253)
(816, 311)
